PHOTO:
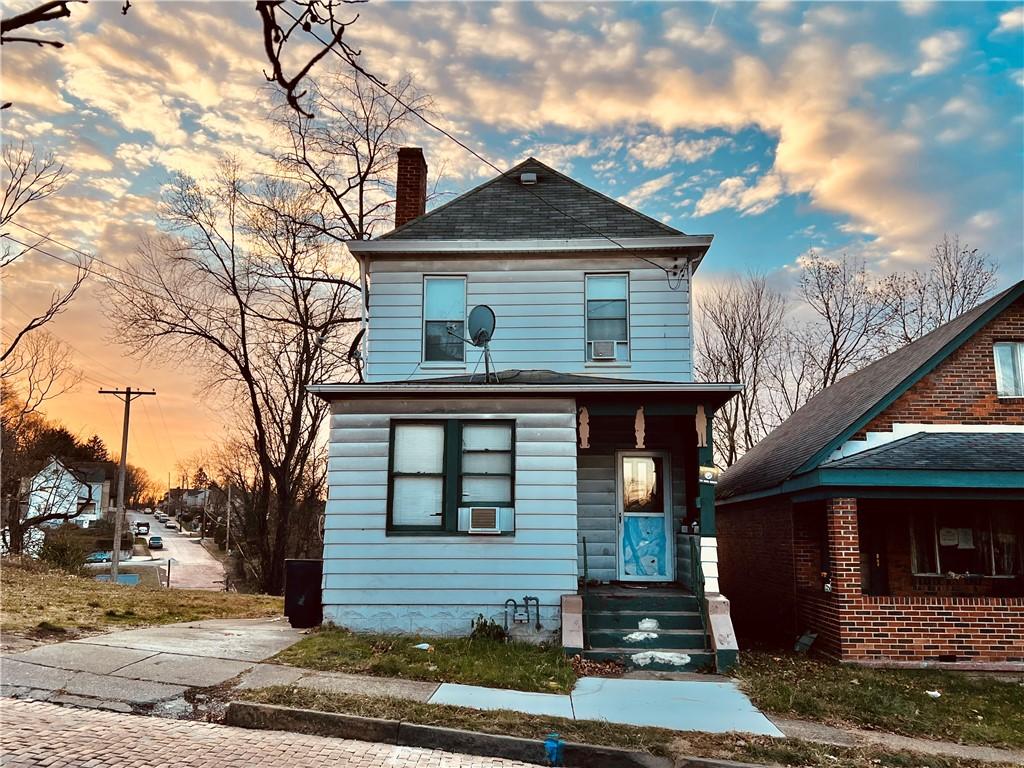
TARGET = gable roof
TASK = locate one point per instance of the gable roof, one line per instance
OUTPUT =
(945, 451)
(556, 207)
(808, 437)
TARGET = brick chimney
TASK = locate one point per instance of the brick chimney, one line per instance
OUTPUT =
(411, 185)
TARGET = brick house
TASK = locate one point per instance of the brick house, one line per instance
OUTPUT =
(887, 514)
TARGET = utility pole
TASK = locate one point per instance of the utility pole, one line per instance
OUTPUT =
(227, 534)
(127, 395)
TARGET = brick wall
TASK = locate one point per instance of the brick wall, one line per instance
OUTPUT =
(410, 185)
(962, 389)
(756, 568)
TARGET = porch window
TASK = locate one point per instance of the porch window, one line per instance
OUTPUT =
(607, 317)
(979, 543)
(487, 463)
(444, 308)
(442, 465)
(1009, 368)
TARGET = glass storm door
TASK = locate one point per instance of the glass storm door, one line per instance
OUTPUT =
(645, 517)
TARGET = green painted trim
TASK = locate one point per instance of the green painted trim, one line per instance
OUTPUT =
(921, 478)
(1011, 296)
(726, 660)
(706, 491)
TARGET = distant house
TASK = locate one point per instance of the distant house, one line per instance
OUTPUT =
(463, 487)
(887, 514)
(79, 491)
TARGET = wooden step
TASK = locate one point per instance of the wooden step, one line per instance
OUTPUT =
(669, 661)
(641, 601)
(662, 639)
(630, 620)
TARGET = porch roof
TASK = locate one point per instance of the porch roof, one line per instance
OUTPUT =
(532, 383)
(945, 451)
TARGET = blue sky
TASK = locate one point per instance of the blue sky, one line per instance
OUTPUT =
(779, 127)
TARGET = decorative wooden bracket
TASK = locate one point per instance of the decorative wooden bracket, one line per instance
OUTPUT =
(639, 427)
(584, 428)
(701, 423)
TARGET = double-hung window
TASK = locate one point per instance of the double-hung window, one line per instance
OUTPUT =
(443, 465)
(607, 310)
(444, 319)
(1009, 368)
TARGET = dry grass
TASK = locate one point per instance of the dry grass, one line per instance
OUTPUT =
(43, 603)
(970, 710)
(658, 741)
(474, 661)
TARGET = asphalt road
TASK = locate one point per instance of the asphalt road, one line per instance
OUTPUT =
(193, 566)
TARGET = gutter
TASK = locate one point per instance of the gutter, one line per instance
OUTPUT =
(697, 243)
(413, 388)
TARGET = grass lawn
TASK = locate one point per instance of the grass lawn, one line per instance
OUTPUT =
(971, 710)
(659, 741)
(454, 660)
(42, 603)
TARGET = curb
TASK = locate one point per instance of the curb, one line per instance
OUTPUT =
(270, 717)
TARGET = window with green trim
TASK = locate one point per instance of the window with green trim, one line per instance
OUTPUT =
(439, 466)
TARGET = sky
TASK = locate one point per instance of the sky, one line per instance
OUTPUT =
(779, 127)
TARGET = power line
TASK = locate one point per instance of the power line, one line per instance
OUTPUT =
(426, 120)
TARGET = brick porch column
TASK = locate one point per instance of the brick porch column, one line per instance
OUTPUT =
(843, 547)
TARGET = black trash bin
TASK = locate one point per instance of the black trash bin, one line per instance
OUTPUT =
(302, 593)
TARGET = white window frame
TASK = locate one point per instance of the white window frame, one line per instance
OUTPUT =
(628, 343)
(423, 323)
(1017, 354)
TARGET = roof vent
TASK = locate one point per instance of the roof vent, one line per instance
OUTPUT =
(528, 178)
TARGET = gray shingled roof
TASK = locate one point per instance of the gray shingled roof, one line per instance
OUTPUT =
(946, 451)
(555, 207)
(833, 414)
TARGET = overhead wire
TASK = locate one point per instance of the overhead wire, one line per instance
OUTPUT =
(451, 137)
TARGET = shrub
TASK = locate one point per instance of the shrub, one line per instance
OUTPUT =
(63, 550)
(487, 629)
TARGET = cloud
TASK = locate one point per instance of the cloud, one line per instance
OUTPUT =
(734, 192)
(641, 194)
(917, 8)
(658, 151)
(938, 52)
(1011, 20)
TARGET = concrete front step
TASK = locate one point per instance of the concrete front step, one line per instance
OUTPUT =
(641, 601)
(630, 620)
(655, 660)
(662, 639)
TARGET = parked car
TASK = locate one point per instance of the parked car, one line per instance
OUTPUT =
(99, 557)
(171, 525)
(141, 529)
(155, 542)
(160, 517)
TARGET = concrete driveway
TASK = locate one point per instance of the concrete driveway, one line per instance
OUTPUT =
(147, 668)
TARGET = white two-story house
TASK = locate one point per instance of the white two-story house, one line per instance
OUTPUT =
(564, 469)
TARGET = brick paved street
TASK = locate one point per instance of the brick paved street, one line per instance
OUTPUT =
(41, 734)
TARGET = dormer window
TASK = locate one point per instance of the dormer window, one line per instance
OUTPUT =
(1009, 368)
(444, 309)
(607, 318)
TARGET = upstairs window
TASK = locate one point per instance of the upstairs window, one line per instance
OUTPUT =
(1009, 368)
(607, 317)
(444, 308)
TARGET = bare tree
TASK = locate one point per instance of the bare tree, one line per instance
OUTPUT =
(741, 323)
(41, 367)
(29, 178)
(850, 315)
(323, 23)
(957, 278)
(230, 288)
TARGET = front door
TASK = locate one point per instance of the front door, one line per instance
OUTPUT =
(644, 509)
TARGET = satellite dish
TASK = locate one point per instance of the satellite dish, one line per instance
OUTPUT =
(481, 325)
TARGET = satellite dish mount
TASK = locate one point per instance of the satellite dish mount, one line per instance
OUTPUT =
(481, 330)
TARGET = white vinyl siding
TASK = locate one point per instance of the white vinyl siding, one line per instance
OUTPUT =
(539, 304)
(437, 583)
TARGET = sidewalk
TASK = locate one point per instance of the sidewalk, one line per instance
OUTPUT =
(151, 670)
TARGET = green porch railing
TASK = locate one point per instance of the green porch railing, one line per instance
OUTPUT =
(586, 579)
(697, 585)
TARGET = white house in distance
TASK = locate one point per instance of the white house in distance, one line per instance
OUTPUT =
(570, 473)
(78, 491)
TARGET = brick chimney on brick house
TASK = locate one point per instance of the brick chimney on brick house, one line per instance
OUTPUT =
(411, 185)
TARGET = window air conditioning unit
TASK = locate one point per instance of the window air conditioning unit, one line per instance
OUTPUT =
(484, 520)
(602, 350)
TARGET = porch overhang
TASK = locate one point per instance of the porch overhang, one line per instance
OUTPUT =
(711, 395)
